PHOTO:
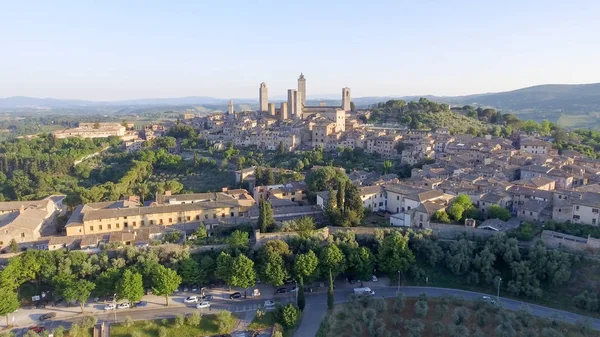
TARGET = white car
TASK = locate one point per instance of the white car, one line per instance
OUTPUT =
(203, 305)
(488, 299)
(374, 278)
(110, 306)
(191, 299)
(124, 305)
(269, 304)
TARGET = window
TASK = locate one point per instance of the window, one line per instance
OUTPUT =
(134, 224)
(576, 217)
(205, 216)
(197, 217)
(79, 230)
(91, 229)
(232, 214)
(593, 221)
(408, 208)
(523, 212)
(222, 215)
(214, 216)
(594, 210)
(189, 218)
(559, 210)
(109, 226)
(160, 221)
(124, 217)
(125, 224)
(100, 227)
(170, 220)
(117, 225)
(397, 197)
(178, 219)
(142, 222)
(531, 213)
(420, 217)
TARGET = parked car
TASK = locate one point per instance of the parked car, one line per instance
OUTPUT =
(140, 304)
(110, 306)
(47, 316)
(194, 289)
(488, 299)
(124, 305)
(207, 297)
(281, 291)
(37, 329)
(293, 290)
(269, 304)
(374, 278)
(191, 299)
(203, 305)
(236, 294)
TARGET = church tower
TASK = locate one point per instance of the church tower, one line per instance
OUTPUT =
(230, 109)
(302, 89)
(263, 97)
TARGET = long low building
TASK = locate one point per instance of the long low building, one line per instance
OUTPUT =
(106, 217)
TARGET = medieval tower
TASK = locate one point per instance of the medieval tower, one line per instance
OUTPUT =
(263, 97)
(346, 99)
(302, 90)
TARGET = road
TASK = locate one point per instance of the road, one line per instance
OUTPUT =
(316, 307)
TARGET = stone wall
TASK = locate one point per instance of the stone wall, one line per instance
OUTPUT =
(559, 240)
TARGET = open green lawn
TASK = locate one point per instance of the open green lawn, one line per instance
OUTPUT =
(209, 325)
(263, 322)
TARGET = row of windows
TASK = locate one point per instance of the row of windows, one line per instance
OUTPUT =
(160, 221)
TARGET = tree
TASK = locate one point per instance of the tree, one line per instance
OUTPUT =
(224, 267)
(281, 149)
(273, 270)
(414, 327)
(131, 286)
(497, 212)
(238, 239)
(243, 274)
(306, 265)
(13, 246)
(440, 216)
(459, 256)
(352, 106)
(265, 216)
(9, 301)
(289, 316)
(387, 167)
(421, 309)
(394, 255)
(269, 177)
(201, 232)
(341, 195)
(330, 292)
(75, 290)
(165, 282)
(330, 209)
(301, 302)
(360, 262)
(456, 211)
(332, 259)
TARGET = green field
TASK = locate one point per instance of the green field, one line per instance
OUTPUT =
(209, 325)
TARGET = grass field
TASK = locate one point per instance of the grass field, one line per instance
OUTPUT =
(446, 316)
(220, 323)
(583, 121)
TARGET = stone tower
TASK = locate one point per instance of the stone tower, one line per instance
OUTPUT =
(263, 97)
(302, 89)
(272, 109)
(230, 109)
(291, 102)
(346, 99)
(283, 111)
(298, 105)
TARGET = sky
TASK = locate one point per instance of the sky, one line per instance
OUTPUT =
(113, 50)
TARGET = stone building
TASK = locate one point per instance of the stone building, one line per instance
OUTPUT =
(302, 89)
(346, 99)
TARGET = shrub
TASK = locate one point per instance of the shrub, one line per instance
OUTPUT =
(414, 327)
(423, 297)
(421, 309)
(289, 316)
(586, 300)
(163, 332)
(223, 320)
(88, 322)
(58, 332)
(179, 321)
(438, 328)
(368, 315)
(458, 331)
(380, 305)
(481, 317)
(137, 333)
(441, 310)
(460, 315)
(400, 302)
(193, 319)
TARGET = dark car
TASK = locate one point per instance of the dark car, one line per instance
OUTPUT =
(281, 291)
(237, 294)
(47, 316)
(140, 304)
(207, 297)
(37, 329)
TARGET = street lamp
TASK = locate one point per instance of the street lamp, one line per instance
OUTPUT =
(115, 304)
(498, 296)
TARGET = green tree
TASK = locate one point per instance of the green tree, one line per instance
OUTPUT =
(243, 274)
(497, 212)
(341, 195)
(421, 309)
(224, 268)
(440, 216)
(361, 262)
(331, 212)
(330, 292)
(332, 259)
(265, 216)
(269, 177)
(394, 254)
(386, 167)
(306, 265)
(281, 149)
(289, 316)
(13, 246)
(201, 232)
(131, 286)
(273, 270)
(238, 239)
(9, 302)
(301, 302)
(75, 290)
(459, 256)
(165, 281)
(456, 211)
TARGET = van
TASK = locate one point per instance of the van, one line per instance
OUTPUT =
(364, 291)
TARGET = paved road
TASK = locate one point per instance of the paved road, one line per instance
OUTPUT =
(316, 306)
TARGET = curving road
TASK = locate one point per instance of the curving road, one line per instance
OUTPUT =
(316, 307)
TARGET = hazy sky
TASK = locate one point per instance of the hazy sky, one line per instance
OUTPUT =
(106, 50)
